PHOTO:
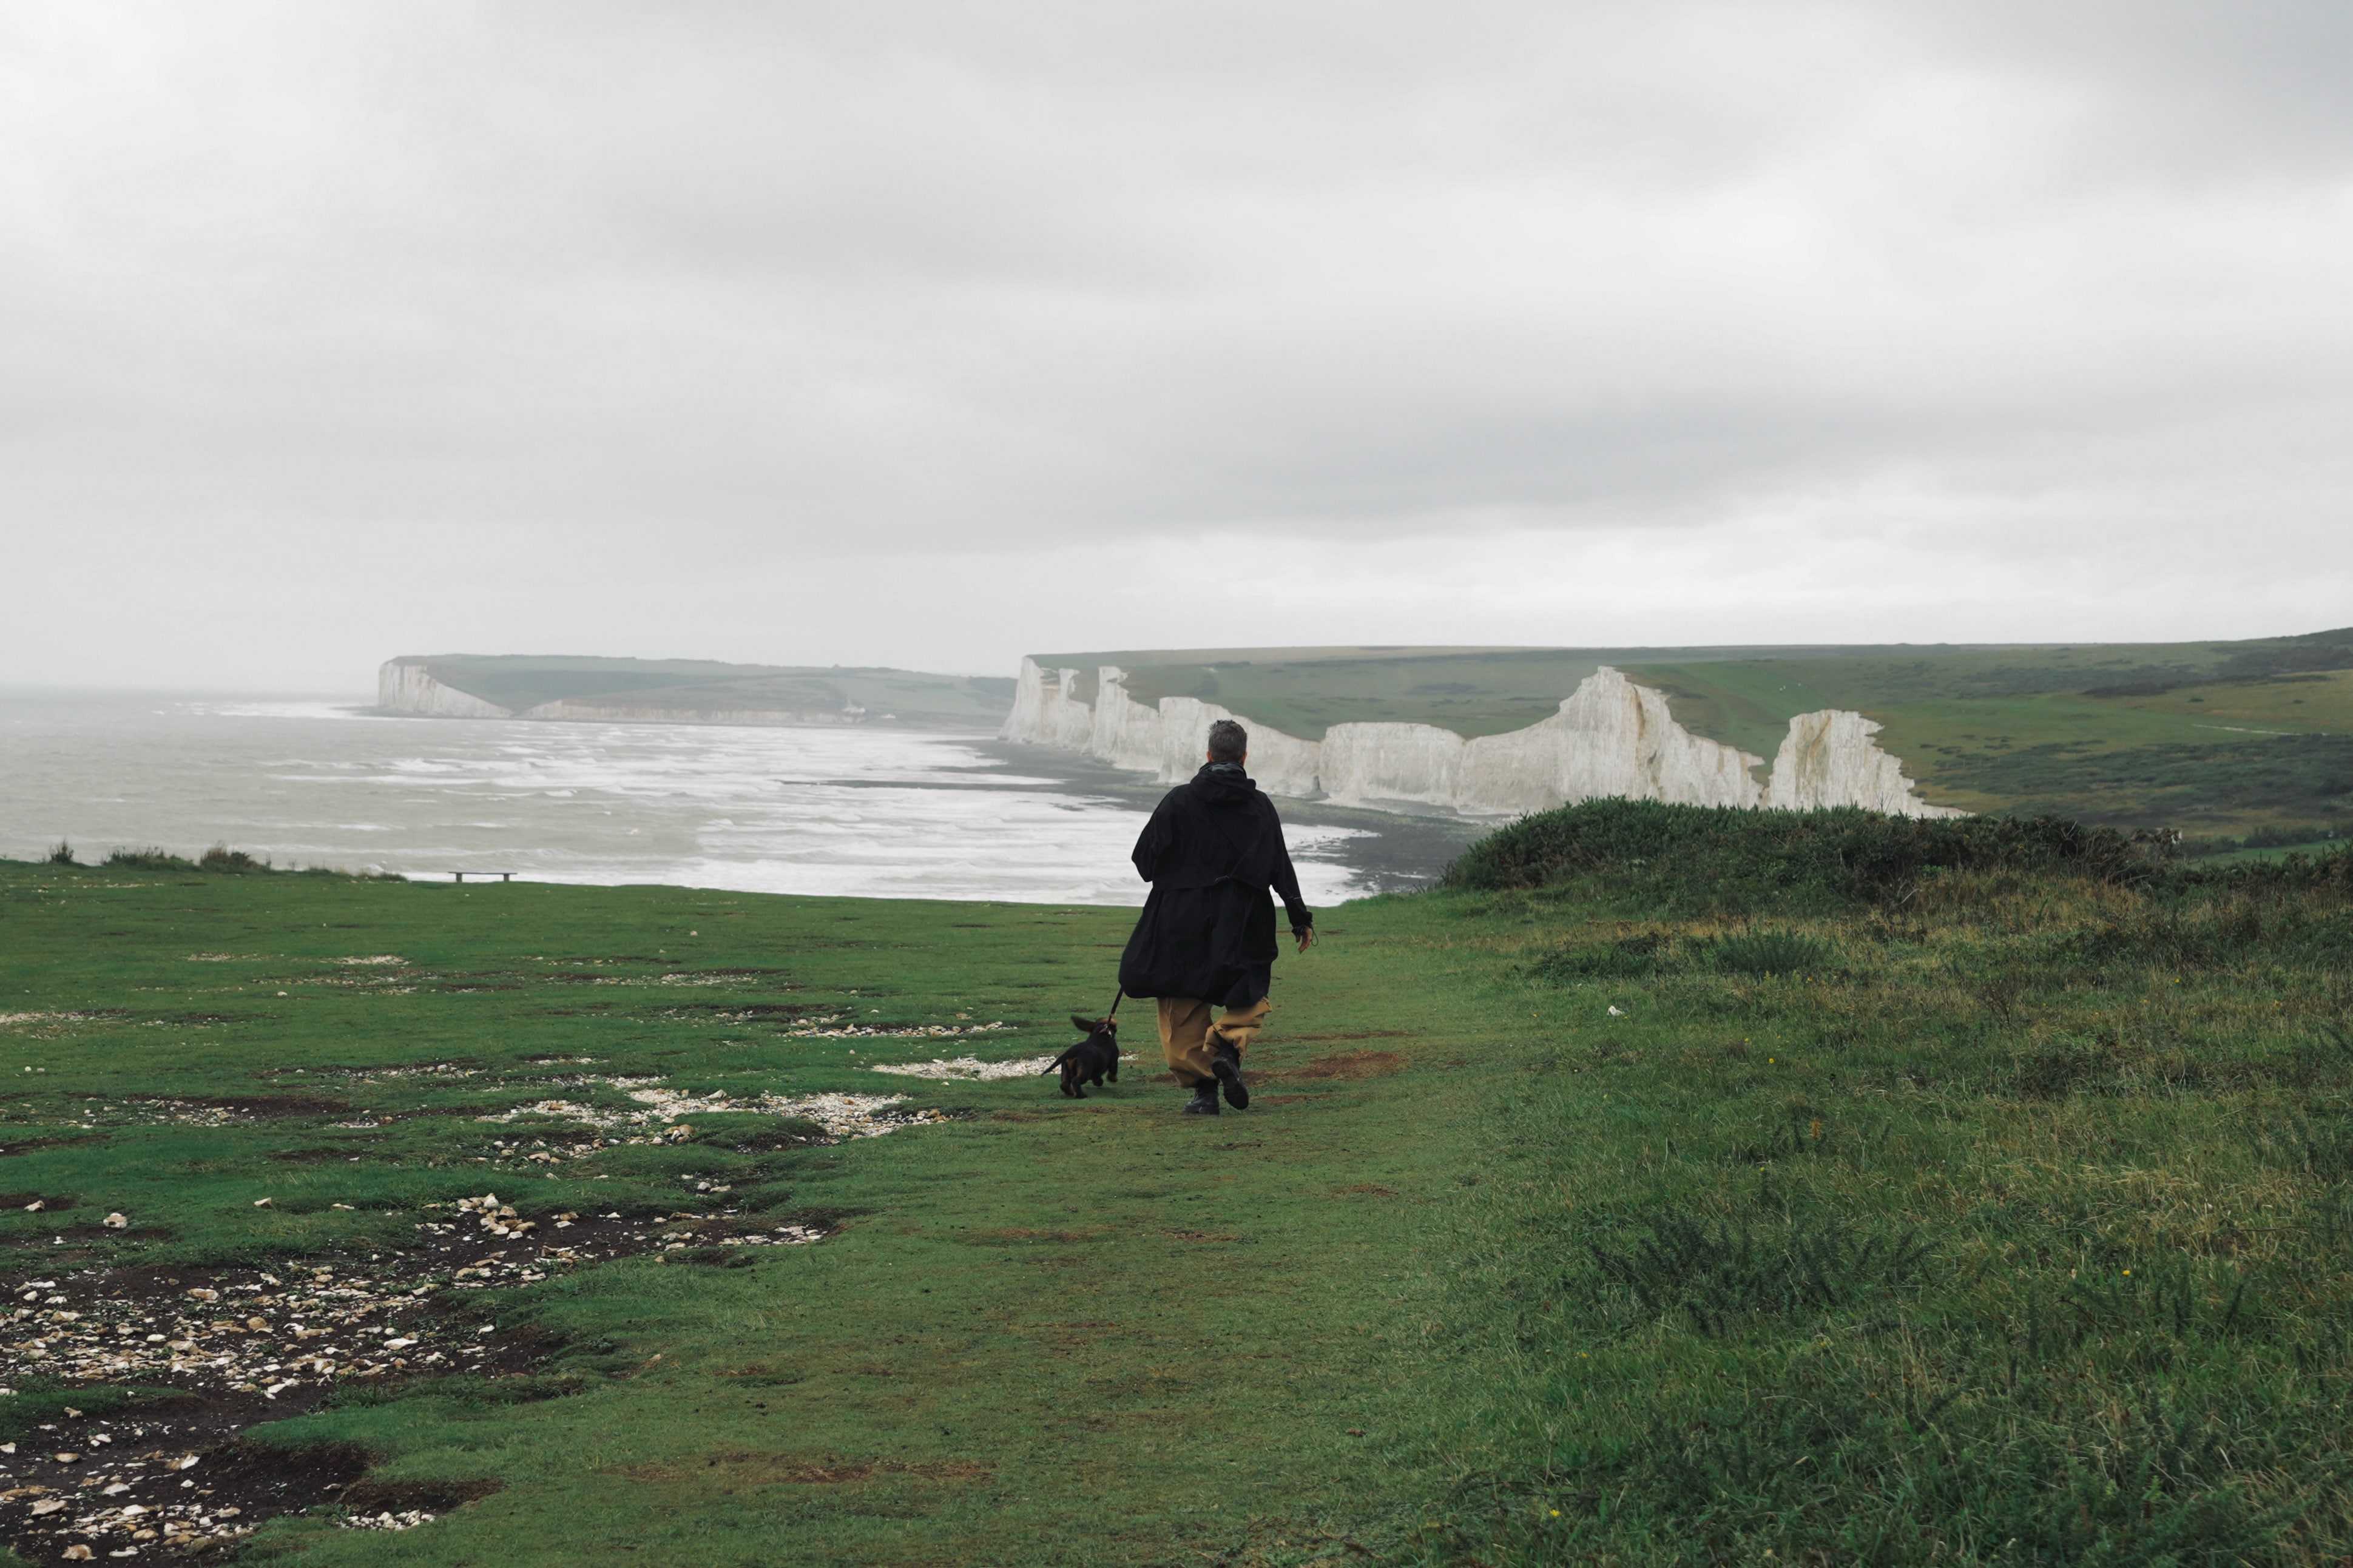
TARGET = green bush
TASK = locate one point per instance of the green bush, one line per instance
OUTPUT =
(2329, 872)
(2294, 836)
(150, 859)
(235, 862)
(62, 855)
(1686, 857)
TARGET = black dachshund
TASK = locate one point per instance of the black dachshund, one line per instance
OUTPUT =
(1091, 1060)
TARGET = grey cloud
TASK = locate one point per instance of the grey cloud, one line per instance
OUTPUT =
(848, 282)
(2180, 89)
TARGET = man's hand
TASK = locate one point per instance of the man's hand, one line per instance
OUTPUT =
(1304, 936)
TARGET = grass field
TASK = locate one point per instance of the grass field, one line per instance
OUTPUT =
(1989, 1215)
(1985, 733)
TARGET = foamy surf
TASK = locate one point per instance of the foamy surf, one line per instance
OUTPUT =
(857, 812)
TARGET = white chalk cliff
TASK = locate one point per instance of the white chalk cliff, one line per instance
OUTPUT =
(1610, 738)
(407, 686)
(1830, 759)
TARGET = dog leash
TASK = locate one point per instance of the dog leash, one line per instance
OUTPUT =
(1116, 997)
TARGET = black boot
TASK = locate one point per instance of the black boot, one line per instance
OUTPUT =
(1228, 1066)
(1204, 1101)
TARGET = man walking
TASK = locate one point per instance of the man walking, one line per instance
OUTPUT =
(1211, 851)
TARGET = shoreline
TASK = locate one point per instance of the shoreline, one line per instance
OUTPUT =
(321, 782)
(1414, 848)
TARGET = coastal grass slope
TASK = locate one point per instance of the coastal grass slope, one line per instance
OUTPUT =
(1991, 1207)
(1986, 1213)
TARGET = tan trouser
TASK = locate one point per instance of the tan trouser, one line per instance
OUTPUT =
(1191, 1040)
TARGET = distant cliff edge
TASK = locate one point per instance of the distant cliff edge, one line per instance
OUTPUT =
(1612, 737)
(683, 691)
(409, 686)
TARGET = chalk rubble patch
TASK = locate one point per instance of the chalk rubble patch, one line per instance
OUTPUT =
(817, 1030)
(841, 1115)
(967, 1068)
(972, 1069)
(263, 1335)
(408, 1519)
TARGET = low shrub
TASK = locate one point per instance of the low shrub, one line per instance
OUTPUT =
(2329, 872)
(1690, 858)
(220, 858)
(2295, 835)
(2219, 926)
(150, 859)
(62, 855)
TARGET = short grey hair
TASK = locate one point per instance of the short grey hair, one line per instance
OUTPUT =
(1228, 742)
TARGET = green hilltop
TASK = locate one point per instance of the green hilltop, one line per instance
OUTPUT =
(2230, 741)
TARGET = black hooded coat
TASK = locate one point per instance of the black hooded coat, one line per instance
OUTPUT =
(1213, 848)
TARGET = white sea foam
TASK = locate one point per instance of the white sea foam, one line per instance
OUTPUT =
(820, 810)
(231, 709)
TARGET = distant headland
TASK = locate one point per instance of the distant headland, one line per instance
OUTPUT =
(684, 692)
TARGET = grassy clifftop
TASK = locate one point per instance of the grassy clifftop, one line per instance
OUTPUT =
(2222, 740)
(1304, 691)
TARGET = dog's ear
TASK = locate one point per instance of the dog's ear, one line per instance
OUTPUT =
(1084, 1025)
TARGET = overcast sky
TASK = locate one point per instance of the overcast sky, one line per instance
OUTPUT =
(930, 334)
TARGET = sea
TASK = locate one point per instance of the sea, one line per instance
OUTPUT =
(861, 811)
